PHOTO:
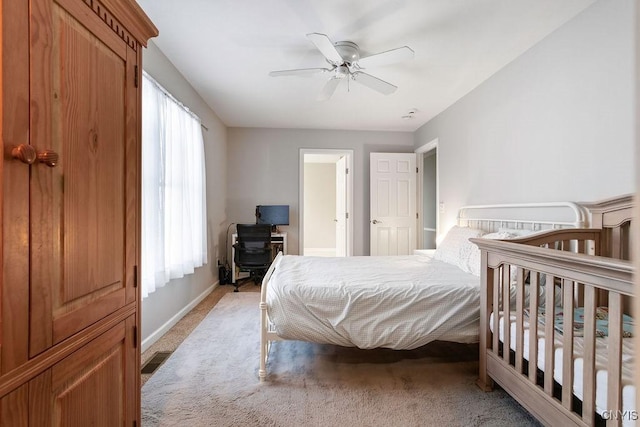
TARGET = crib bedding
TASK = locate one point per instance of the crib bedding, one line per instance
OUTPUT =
(628, 387)
(365, 302)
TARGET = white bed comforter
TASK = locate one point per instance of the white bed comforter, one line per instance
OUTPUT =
(399, 302)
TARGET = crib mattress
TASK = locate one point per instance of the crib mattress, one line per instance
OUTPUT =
(398, 302)
(628, 390)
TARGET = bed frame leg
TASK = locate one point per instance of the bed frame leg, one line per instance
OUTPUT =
(264, 343)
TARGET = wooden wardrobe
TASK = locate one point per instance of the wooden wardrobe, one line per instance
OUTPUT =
(70, 124)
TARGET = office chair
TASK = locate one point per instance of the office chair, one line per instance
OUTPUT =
(253, 251)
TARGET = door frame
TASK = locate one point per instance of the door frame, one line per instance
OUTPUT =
(349, 196)
(421, 152)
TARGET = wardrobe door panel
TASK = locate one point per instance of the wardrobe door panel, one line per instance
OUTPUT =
(78, 260)
(90, 387)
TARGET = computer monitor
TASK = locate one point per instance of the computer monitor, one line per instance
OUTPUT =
(272, 214)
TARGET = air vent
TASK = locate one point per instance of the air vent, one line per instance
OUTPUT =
(156, 360)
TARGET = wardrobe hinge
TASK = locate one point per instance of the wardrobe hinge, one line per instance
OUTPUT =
(135, 276)
(135, 337)
(346, 171)
(135, 75)
(346, 214)
(416, 215)
(416, 169)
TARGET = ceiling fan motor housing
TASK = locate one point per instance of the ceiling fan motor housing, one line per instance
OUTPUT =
(349, 51)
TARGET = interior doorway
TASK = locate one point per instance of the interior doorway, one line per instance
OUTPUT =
(326, 200)
(428, 195)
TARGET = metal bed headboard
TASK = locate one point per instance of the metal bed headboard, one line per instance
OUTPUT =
(525, 216)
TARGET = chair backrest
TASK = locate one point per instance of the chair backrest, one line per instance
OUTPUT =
(254, 233)
(254, 245)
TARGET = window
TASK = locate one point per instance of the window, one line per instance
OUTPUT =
(174, 238)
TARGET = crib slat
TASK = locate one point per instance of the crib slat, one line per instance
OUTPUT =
(588, 374)
(506, 317)
(496, 312)
(567, 344)
(519, 318)
(548, 335)
(616, 243)
(533, 326)
(614, 362)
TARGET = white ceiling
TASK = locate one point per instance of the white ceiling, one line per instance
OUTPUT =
(226, 48)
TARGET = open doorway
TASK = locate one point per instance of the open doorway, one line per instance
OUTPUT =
(325, 202)
(428, 211)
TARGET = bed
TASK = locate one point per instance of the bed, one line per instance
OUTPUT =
(586, 376)
(398, 302)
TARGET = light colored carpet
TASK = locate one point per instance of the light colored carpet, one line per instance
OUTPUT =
(211, 380)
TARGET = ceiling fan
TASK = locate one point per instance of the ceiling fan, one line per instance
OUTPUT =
(346, 63)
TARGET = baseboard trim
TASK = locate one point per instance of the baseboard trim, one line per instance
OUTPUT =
(158, 333)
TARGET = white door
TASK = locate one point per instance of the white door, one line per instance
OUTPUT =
(393, 203)
(341, 207)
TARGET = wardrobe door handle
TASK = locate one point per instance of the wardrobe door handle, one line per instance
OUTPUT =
(27, 154)
(48, 157)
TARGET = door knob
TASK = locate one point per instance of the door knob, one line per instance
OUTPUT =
(27, 154)
(375, 221)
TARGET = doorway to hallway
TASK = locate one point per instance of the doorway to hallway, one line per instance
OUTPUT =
(326, 202)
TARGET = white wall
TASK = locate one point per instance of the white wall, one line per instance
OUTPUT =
(263, 169)
(165, 306)
(555, 124)
(320, 205)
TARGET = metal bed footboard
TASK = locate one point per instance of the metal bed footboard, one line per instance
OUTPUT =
(267, 331)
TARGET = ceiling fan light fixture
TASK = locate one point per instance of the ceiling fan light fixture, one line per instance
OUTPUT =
(342, 71)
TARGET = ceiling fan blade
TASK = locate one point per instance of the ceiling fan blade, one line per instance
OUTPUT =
(298, 72)
(374, 83)
(328, 89)
(392, 56)
(326, 47)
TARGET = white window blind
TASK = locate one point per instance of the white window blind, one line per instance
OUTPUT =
(174, 238)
